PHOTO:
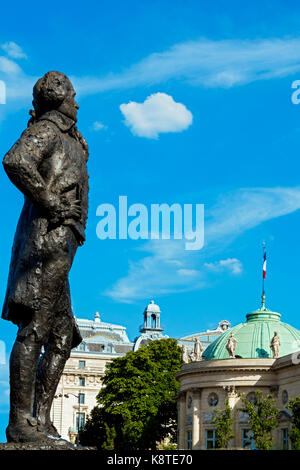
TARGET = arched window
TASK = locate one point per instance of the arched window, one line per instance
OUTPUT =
(82, 346)
(153, 321)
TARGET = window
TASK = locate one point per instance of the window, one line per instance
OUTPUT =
(81, 364)
(81, 398)
(189, 436)
(285, 397)
(252, 398)
(210, 439)
(247, 439)
(81, 382)
(80, 420)
(285, 438)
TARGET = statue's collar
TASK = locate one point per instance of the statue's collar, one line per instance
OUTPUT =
(64, 123)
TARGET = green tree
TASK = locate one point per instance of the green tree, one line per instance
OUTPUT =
(96, 431)
(294, 406)
(137, 405)
(263, 418)
(224, 423)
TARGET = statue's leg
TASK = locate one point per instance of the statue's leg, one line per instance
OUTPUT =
(62, 246)
(51, 367)
(23, 365)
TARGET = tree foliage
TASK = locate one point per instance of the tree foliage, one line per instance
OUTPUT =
(137, 404)
(224, 424)
(294, 406)
(263, 418)
(96, 431)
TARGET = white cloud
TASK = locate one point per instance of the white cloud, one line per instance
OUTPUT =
(9, 67)
(169, 268)
(18, 85)
(204, 62)
(98, 126)
(157, 274)
(187, 272)
(231, 264)
(246, 208)
(158, 114)
(13, 50)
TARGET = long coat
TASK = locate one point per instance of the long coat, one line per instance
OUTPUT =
(51, 155)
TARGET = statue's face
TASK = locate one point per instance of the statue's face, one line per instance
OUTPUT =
(69, 107)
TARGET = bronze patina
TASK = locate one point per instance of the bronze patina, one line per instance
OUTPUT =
(48, 164)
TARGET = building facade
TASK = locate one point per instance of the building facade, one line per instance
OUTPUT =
(102, 342)
(205, 385)
(82, 377)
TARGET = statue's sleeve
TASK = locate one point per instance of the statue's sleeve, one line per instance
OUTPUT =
(22, 162)
(85, 200)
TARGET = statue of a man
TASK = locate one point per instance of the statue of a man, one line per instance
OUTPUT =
(184, 355)
(198, 350)
(48, 164)
(231, 345)
(196, 355)
(275, 343)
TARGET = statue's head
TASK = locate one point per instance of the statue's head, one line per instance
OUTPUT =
(55, 91)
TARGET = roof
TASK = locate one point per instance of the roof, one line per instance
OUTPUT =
(152, 308)
(254, 337)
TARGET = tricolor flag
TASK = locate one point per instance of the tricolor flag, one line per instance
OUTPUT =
(265, 265)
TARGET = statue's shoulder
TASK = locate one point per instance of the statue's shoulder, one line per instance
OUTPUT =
(62, 122)
(41, 129)
(38, 136)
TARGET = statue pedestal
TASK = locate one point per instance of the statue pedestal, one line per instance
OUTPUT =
(58, 445)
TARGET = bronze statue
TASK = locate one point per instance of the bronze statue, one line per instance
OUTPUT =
(48, 164)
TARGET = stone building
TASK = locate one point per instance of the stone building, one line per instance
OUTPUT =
(82, 376)
(204, 385)
(102, 342)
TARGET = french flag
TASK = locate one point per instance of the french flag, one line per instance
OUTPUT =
(265, 265)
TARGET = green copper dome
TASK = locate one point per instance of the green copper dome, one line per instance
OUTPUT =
(254, 337)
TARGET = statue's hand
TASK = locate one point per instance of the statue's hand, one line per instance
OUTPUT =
(60, 209)
(74, 210)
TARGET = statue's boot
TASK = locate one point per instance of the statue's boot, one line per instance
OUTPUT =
(50, 369)
(23, 427)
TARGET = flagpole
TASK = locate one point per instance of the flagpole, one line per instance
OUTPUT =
(263, 297)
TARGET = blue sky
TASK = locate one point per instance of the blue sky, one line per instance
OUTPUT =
(221, 130)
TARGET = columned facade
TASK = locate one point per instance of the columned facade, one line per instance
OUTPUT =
(205, 385)
(196, 404)
(182, 420)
